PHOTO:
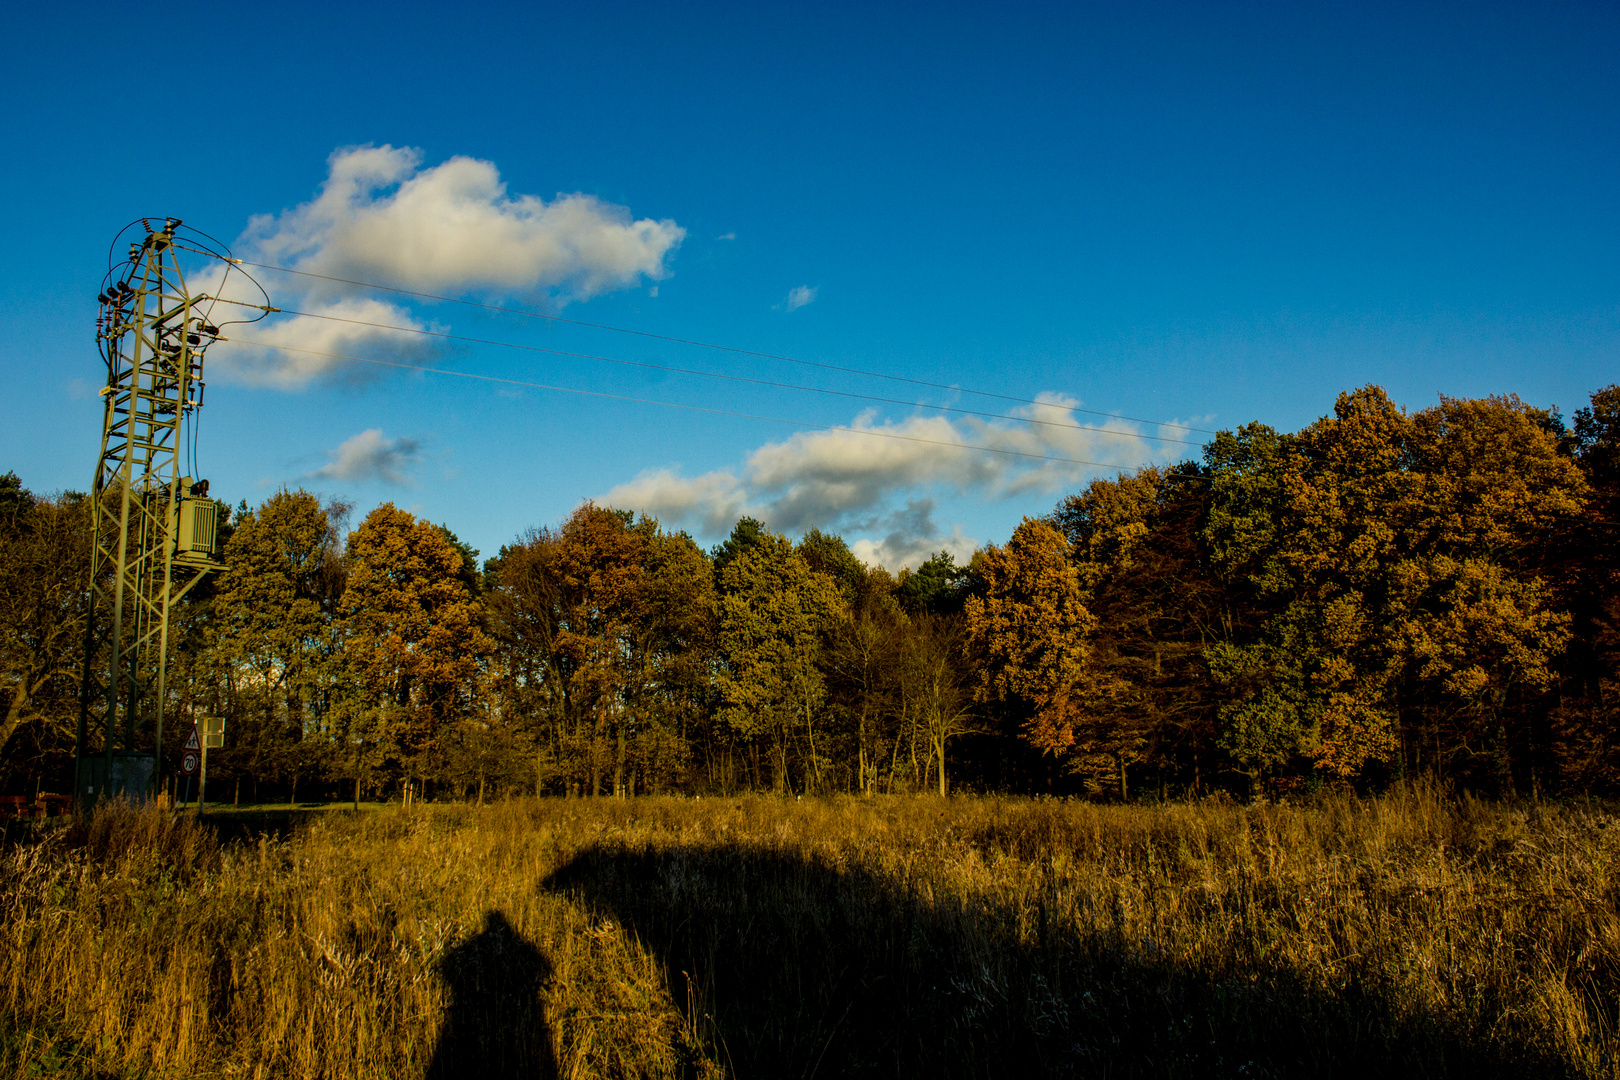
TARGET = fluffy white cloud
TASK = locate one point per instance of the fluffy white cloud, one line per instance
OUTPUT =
(799, 297)
(381, 217)
(850, 479)
(449, 229)
(709, 504)
(371, 456)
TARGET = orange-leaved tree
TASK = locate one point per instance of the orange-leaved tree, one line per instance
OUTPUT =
(1027, 633)
(412, 641)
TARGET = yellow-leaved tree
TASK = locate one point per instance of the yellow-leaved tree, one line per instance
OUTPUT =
(412, 643)
(1027, 633)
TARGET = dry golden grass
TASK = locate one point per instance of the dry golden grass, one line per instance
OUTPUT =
(758, 937)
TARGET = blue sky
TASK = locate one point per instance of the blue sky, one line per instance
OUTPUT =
(1199, 214)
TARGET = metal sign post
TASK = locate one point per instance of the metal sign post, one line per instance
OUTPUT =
(189, 755)
(213, 735)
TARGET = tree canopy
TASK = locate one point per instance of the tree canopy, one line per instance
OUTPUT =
(1384, 593)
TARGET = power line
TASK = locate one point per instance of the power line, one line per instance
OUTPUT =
(730, 378)
(706, 344)
(678, 405)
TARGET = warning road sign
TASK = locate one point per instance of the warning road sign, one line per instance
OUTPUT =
(191, 752)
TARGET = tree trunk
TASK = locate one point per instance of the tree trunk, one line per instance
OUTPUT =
(860, 737)
(596, 759)
(618, 766)
(894, 762)
(814, 771)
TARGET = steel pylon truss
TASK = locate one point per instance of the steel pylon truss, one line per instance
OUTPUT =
(154, 528)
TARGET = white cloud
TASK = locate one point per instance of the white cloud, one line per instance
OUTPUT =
(910, 536)
(799, 297)
(371, 456)
(850, 480)
(381, 217)
(289, 352)
(710, 503)
(449, 229)
(727, 236)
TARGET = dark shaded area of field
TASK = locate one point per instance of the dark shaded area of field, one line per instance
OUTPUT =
(799, 968)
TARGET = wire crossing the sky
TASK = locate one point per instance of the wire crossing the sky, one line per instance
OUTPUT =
(678, 405)
(726, 348)
(732, 378)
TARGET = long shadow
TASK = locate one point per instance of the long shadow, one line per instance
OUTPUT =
(796, 968)
(495, 1028)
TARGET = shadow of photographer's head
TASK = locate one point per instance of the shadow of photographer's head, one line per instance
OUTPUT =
(494, 1024)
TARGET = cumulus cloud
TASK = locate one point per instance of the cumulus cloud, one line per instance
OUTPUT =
(380, 216)
(910, 536)
(447, 229)
(710, 503)
(371, 456)
(799, 297)
(851, 479)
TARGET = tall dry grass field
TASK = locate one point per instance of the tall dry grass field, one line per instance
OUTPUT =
(764, 938)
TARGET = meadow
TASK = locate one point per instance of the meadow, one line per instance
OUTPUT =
(765, 937)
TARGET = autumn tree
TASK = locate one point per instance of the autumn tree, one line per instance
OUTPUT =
(600, 565)
(773, 612)
(44, 581)
(1028, 635)
(1585, 722)
(934, 691)
(605, 631)
(1134, 539)
(672, 651)
(1391, 555)
(412, 643)
(273, 637)
(530, 679)
(861, 662)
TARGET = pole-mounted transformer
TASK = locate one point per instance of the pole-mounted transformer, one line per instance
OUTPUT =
(154, 531)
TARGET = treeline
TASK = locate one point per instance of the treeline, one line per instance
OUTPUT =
(1381, 595)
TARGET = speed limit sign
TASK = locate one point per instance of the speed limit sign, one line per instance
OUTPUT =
(191, 753)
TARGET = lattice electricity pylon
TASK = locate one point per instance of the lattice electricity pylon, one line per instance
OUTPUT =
(154, 530)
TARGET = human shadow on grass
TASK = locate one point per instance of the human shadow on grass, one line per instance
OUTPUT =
(495, 1026)
(797, 968)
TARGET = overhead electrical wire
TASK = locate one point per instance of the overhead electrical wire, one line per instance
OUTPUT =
(731, 378)
(708, 345)
(678, 405)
